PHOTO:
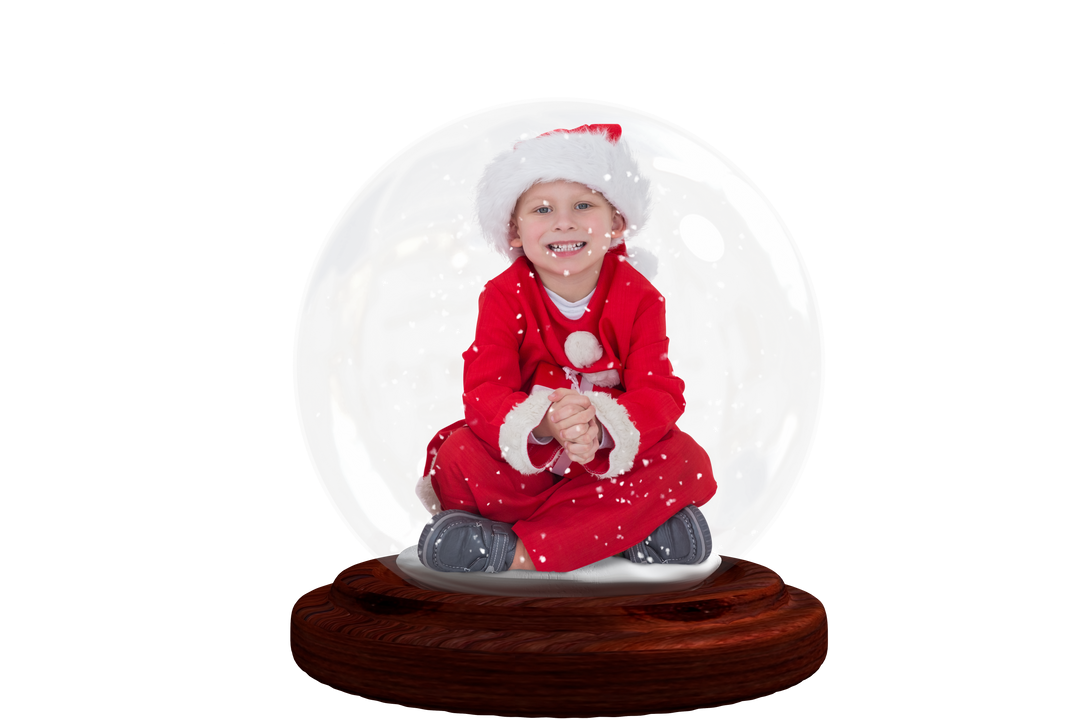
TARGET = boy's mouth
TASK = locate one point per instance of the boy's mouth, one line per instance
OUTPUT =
(565, 247)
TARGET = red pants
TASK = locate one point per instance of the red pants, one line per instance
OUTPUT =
(571, 521)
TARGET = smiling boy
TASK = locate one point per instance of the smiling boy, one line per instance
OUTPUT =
(564, 229)
(569, 452)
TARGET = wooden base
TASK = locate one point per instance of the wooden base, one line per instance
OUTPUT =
(739, 635)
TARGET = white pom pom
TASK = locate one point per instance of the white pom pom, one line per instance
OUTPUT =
(583, 349)
(645, 261)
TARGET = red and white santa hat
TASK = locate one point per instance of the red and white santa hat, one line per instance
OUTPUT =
(593, 155)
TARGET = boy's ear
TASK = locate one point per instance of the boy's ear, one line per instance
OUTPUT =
(515, 239)
(618, 224)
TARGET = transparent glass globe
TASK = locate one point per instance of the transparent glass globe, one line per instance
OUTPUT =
(392, 302)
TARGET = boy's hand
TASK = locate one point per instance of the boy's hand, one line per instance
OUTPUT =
(582, 449)
(571, 420)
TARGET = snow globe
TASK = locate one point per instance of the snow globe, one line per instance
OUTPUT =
(390, 307)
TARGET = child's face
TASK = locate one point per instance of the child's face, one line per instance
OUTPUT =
(565, 228)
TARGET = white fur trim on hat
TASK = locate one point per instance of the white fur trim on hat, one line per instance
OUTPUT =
(626, 437)
(519, 423)
(588, 158)
(604, 378)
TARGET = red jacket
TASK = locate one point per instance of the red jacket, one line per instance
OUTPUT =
(518, 328)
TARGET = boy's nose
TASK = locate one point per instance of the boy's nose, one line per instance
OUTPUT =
(564, 220)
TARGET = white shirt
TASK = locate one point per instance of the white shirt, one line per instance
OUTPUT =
(570, 310)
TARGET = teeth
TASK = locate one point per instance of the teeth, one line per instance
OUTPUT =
(567, 248)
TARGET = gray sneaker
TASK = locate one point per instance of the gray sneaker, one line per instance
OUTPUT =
(683, 540)
(457, 541)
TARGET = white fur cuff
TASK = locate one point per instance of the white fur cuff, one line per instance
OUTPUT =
(427, 495)
(626, 437)
(516, 428)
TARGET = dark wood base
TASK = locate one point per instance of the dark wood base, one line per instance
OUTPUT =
(739, 635)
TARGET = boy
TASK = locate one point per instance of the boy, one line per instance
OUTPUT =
(569, 451)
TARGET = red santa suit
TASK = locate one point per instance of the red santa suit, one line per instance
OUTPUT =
(486, 463)
(566, 514)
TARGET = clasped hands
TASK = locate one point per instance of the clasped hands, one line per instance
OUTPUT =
(571, 420)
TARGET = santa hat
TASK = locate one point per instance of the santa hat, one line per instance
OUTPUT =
(593, 155)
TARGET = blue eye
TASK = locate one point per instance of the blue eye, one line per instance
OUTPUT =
(582, 206)
(543, 209)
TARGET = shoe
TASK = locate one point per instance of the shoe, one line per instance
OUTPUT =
(457, 541)
(683, 540)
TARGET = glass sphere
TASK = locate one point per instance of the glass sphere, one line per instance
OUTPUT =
(392, 302)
